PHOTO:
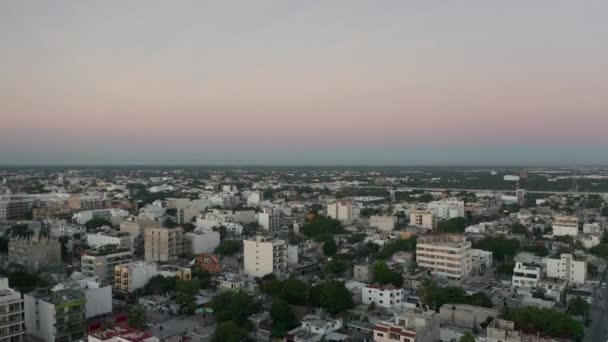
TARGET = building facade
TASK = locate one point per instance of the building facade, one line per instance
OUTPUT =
(387, 296)
(12, 326)
(163, 244)
(567, 268)
(447, 256)
(55, 316)
(100, 263)
(264, 256)
(526, 275)
(426, 219)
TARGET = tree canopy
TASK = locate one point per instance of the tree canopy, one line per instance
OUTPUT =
(329, 247)
(384, 275)
(502, 248)
(435, 296)
(454, 225)
(283, 319)
(229, 247)
(321, 225)
(545, 321)
(400, 245)
(234, 306)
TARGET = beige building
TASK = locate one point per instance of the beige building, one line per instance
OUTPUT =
(35, 252)
(99, 264)
(136, 227)
(502, 331)
(162, 244)
(447, 256)
(264, 255)
(12, 326)
(134, 275)
(426, 219)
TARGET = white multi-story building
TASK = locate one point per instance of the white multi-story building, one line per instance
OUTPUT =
(115, 216)
(134, 275)
(447, 256)
(55, 315)
(99, 263)
(426, 219)
(387, 296)
(511, 178)
(60, 228)
(447, 209)
(314, 328)
(567, 268)
(481, 258)
(270, 219)
(384, 223)
(342, 211)
(526, 275)
(202, 241)
(12, 326)
(98, 298)
(565, 225)
(264, 255)
(100, 239)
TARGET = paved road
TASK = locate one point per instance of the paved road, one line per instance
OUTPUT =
(597, 331)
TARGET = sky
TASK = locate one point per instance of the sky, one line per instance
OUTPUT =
(304, 82)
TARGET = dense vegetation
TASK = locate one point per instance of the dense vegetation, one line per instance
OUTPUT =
(545, 321)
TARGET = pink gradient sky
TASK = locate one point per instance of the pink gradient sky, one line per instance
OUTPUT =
(204, 82)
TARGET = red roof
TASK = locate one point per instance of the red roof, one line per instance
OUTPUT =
(127, 333)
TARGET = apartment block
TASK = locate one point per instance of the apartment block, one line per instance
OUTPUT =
(342, 211)
(100, 263)
(447, 209)
(264, 255)
(567, 268)
(526, 275)
(565, 225)
(387, 296)
(55, 316)
(134, 275)
(34, 252)
(12, 326)
(447, 256)
(426, 219)
(163, 244)
(409, 326)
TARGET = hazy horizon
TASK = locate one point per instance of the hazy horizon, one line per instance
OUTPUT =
(303, 83)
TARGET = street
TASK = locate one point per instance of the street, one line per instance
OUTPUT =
(598, 329)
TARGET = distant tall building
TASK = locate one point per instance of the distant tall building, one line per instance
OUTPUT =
(342, 211)
(447, 208)
(264, 256)
(163, 244)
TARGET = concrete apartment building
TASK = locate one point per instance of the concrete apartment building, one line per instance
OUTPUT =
(567, 268)
(15, 207)
(502, 331)
(447, 256)
(409, 326)
(342, 211)
(383, 223)
(363, 273)
(264, 255)
(100, 239)
(426, 219)
(34, 252)
(270, 219)
(134, 275)
(388, 296)
(163, 244)
(55, 316)
(12, 326)
(201, 241)
(526, 275)
(100, 263)
(565, 226)
(136, 227)
(447, 209)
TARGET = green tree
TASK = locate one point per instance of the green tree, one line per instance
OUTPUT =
(228, 331)
(467, 337)
(229, 247)
(335, 298)
(137, 317)
(337, 265)
(282, 318)
(95, 223)
(505, 268)
(545, 321)
(400, 245)
(329, 247)
(235, 306)
(518, 228)
(502, 248)
(169, 223)
(295, 291)
(454, 225)
(159, 285)
(186, 295)
(321, 225)
(384, 275)
(578, 307)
